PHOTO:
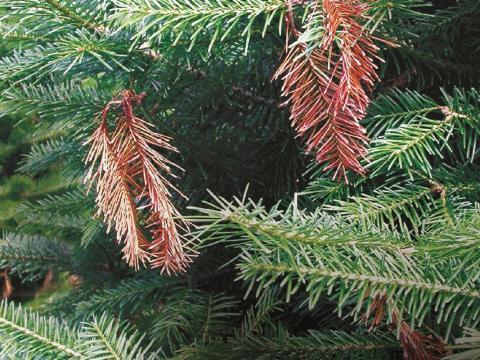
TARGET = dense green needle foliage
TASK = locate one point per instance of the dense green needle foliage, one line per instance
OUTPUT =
(287, 262)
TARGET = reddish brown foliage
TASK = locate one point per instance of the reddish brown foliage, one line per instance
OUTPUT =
(127, 172)
(7, 288)
(415, 345)
(327, 86)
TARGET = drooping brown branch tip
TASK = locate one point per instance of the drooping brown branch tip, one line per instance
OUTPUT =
(7, 288)
(129, 175)
(415, 344)
(327, 84)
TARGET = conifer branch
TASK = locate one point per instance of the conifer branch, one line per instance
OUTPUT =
(30, 333)
(44, 155)
(127, 296)
(79, 52)
(124, 157)
(70, 14)
(416, 135)
(219, 19)
(114, 198)
(395, 108)
(327, 343)
(395, 208)
(275, 223)
(105, 338)
(37, 16)
(32, 256)
(350, 274)
(327, 84)
(56, 102)
(192, 315)
(13, 36)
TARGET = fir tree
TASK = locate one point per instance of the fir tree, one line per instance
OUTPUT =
(131, 129)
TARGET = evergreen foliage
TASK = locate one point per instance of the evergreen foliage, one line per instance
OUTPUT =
(137, 125)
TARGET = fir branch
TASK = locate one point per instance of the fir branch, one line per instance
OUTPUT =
(79, 52)
(316, 345)
(313, 345)
(190, 315)
(293, 226)
(326, 84)
(464, 106)
(92, 231)
(398, 208)
(323, 190)
(259, 315)
(457, 244)
(32, 256)
(109, 339)
(25, 332)
(61, 8)
(411, 145)
(155, 20)
(395, 108)
(126, 155)
(463, 181)
(447, 22)
(250, 267)
(19, 35)
(54, 214)
(48, 132)
(72, 201)
(44, 155)
(53, 17)
(56, 102)
(352, 274)
(114, 198)
(393, 16)
(128, 296)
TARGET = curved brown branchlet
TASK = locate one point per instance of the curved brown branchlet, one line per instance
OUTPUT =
(327, 86)
(415, 345)
(127, 171)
